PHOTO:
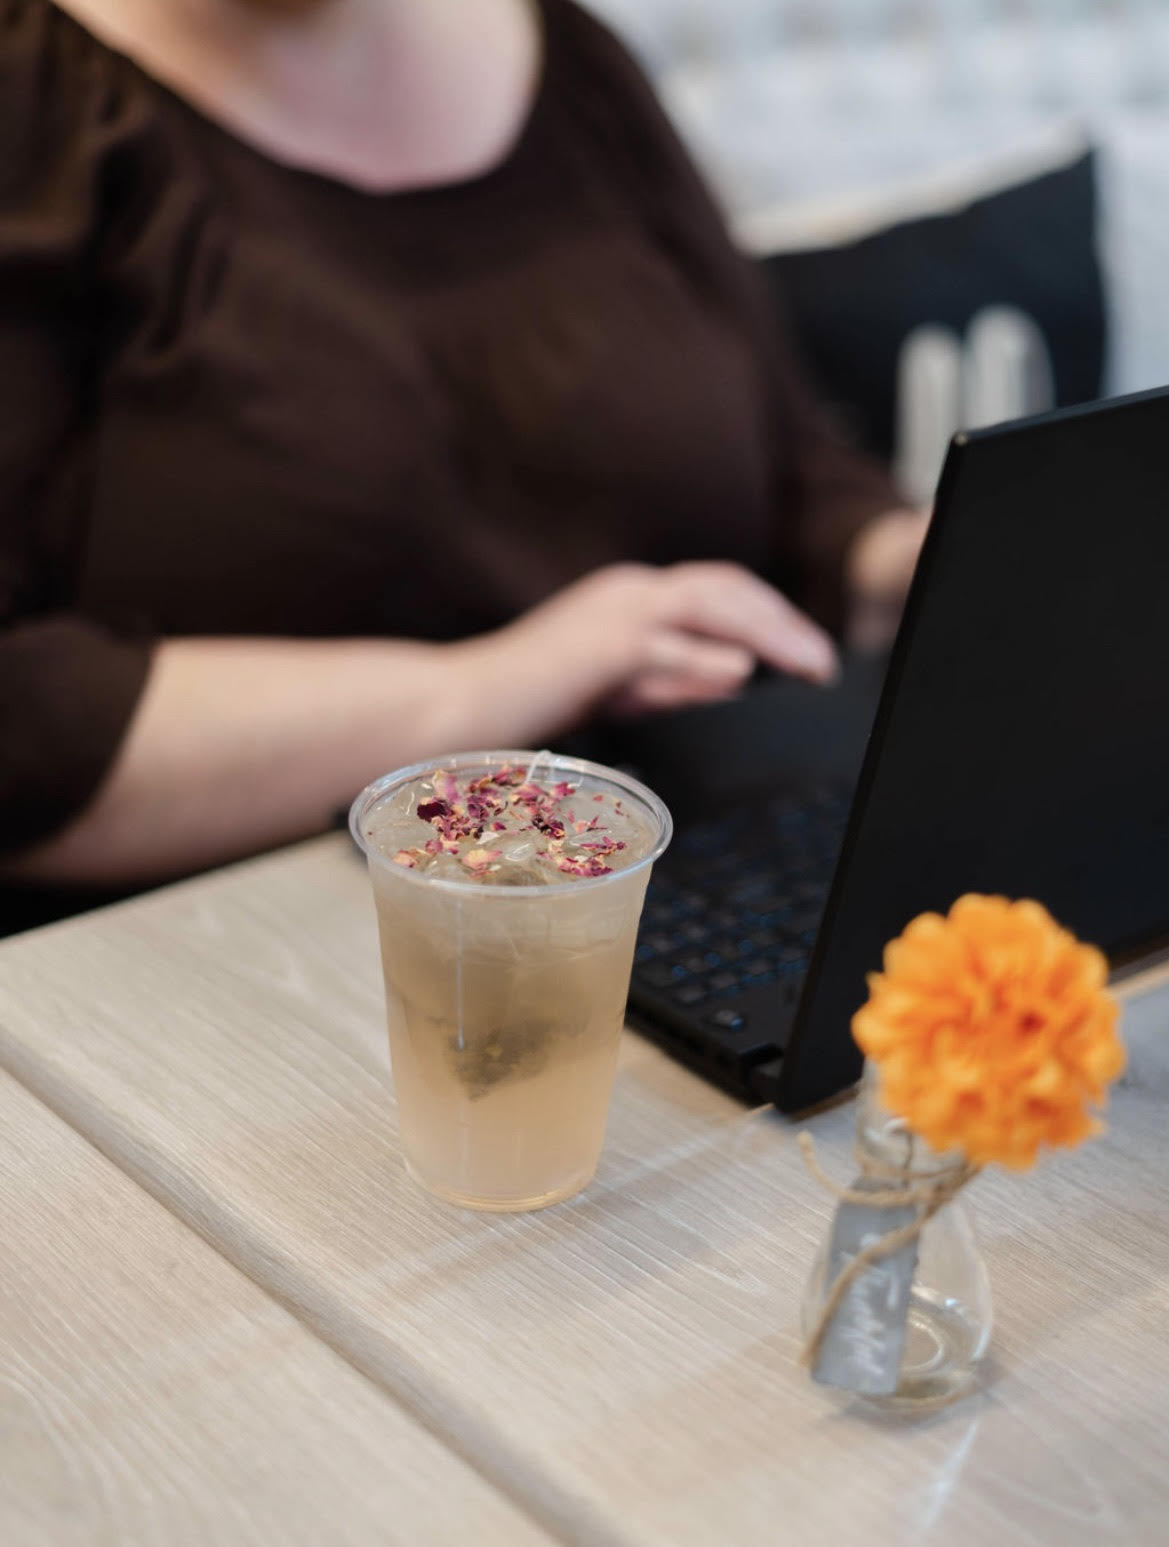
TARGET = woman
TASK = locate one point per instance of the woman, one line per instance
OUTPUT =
(378, 380)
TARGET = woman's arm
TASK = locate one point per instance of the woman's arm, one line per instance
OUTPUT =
(238, 745)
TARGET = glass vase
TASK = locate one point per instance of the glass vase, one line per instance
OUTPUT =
(949, 1315)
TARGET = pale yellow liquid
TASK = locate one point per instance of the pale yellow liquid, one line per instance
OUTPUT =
(504, 1018)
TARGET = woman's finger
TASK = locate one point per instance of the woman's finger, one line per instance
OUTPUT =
(674, 653)
(734, 606)
(683, 669)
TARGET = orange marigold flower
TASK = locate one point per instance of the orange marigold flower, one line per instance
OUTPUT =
(992, 1031)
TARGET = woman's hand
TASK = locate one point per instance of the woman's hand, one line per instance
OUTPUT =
(878, 571)
(240, 744)
(632, 638)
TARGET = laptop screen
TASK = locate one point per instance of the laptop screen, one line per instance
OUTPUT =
(1022, 744)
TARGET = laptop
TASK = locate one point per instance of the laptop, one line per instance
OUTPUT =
(1015, 742)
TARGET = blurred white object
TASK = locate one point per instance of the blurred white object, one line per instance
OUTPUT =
(1000, 370)
(929, 409)
(1006, 368)
(832, 103)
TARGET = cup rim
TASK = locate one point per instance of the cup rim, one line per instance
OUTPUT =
(375, 791)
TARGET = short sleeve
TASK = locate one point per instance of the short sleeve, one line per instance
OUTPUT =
(68, 686)
(825, 490)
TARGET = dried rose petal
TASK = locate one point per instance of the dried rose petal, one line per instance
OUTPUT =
(407, 857)
(606, 845)
(579, 865)
(478, 860)
(446, 786)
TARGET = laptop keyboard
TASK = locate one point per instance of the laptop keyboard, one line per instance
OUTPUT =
(730, 920)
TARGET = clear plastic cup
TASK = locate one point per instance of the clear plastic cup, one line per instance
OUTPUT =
(505, 1003)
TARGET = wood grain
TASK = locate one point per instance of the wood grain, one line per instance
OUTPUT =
(151, 1396)
(625, 1364)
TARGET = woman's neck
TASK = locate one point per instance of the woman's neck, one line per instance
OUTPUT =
(382, 93)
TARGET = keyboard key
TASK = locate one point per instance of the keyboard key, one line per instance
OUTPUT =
(660, 974)
(660, 944)
(800, 863)
(696, 962)
(719, 982)
(802, 919)
(689, 994)
(727, 1020)
(694, 933)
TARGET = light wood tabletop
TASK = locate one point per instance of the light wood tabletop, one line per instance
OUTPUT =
(151, 1396)
(623, 1366)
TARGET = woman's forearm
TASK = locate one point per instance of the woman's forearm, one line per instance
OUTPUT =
(240, 745)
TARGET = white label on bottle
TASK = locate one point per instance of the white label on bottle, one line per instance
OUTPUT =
(861, 1349)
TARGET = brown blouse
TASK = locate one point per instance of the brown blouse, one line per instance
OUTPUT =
(239, 398)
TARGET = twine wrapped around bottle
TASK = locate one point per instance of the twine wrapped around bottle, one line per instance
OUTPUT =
(927, 1192)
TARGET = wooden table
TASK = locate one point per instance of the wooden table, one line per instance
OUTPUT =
(150, 1393)
(622, 1369)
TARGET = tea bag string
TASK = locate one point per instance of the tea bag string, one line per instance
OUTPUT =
(926, 1192)
(537, 758)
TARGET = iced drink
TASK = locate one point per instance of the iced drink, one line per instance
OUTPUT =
(508, 889)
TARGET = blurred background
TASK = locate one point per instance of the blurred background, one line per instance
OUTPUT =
(964, 204)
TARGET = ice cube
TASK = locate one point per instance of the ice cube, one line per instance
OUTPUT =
(446, 867)
(515, 848)
(530, 872)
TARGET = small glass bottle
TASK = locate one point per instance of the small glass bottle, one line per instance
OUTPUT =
(949, 1320)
